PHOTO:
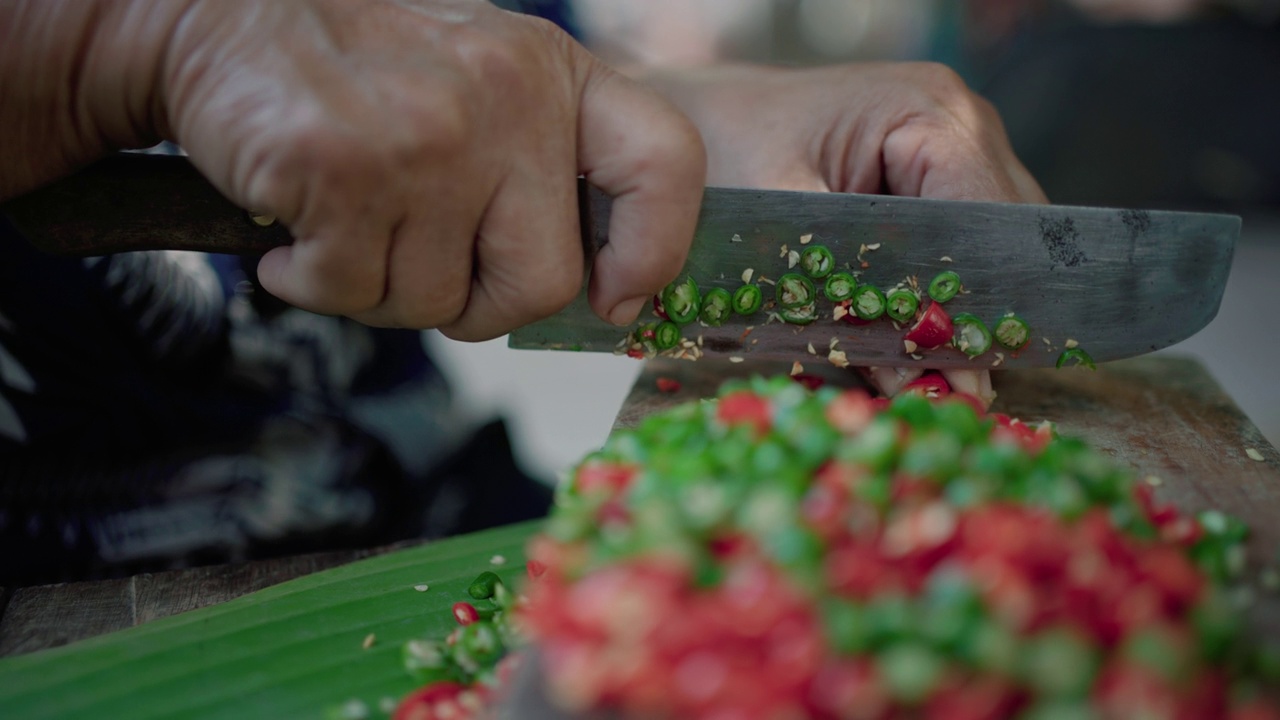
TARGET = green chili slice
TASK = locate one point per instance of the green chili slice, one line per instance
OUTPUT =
(801, 315)
(816, 260)
(1076, 357)
(970, 335)
(482, 587)
(666, 335)
(869, 302)
(1012, 332)
(840, 286)
(681, 301)
(902, 305)
(944, 286)
(795, 290)
(717, 304)
(747, 299)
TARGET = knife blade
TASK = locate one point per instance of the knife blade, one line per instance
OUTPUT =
(1117, 282)
(1114, 282)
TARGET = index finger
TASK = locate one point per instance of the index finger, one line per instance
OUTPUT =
(638, 148)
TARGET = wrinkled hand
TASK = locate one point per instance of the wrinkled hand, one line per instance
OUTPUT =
(425, 155)
(898, 128)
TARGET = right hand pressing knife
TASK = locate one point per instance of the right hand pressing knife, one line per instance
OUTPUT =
(1116, 283)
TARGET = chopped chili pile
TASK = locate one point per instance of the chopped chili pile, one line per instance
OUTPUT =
(788, 553)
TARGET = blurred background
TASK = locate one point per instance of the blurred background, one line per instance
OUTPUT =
(1157, 104)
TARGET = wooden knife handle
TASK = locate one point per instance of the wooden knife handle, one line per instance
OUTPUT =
(133, 201)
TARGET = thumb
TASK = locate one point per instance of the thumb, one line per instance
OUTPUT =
(638, 148)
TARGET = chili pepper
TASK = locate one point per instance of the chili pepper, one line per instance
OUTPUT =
(658, 309)
(747, 299)
(800, 315)
(794, 290)
(816, 260)
(868, 302)
(681, 301)
(901, 304)
(944, 286)
(1060, 663)
(933, 329)
(1012, 332)
(911, 671)
(465, 613)
(970, 334)
(1076, 357)
(839, 286)
(668, 385)
(426, 703)
(428, 661)
(716, 306)
(482, 587)
(666, 335)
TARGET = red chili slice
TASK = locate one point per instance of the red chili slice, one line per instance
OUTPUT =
(933, 329)
(603, 476)
(745, 408)
(930, 384)
(668, 385)
(811, 382)
(658, 309)
(465, 613)
(436, 701)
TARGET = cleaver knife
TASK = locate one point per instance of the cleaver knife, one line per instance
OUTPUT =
(1114, 282)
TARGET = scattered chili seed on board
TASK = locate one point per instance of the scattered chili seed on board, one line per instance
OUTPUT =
(1254, 454)
(369, 640)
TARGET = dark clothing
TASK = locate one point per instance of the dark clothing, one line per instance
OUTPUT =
(157, 409)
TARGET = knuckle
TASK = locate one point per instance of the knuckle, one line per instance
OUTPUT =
(941, 81)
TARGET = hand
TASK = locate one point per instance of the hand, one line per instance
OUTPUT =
(898, 128)
(423, 154)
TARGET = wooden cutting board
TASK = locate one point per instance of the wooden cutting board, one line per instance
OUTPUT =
(296, 648)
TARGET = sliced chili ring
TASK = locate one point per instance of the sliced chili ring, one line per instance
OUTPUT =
(901, 304)
(795, 291)
(817, 261)
(801, 315)
(970, 334)
(944, 286)
(666, 335)
(868, 302)
(716, 307)
(840, 286)
(932, 329)
(1076, 357)
(747, 299)
(1012, 332)
(682, 301)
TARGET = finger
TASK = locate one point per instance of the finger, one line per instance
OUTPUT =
(639, 149)
(953, 145)
(430, 262)
(336, 264)
(528, 253)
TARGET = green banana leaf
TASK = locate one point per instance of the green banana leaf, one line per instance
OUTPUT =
(294, 650)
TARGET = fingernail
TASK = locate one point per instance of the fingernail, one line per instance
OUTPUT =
(626, 312)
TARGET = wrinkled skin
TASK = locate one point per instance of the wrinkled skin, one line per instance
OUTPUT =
(898, 128)
(423, 153)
